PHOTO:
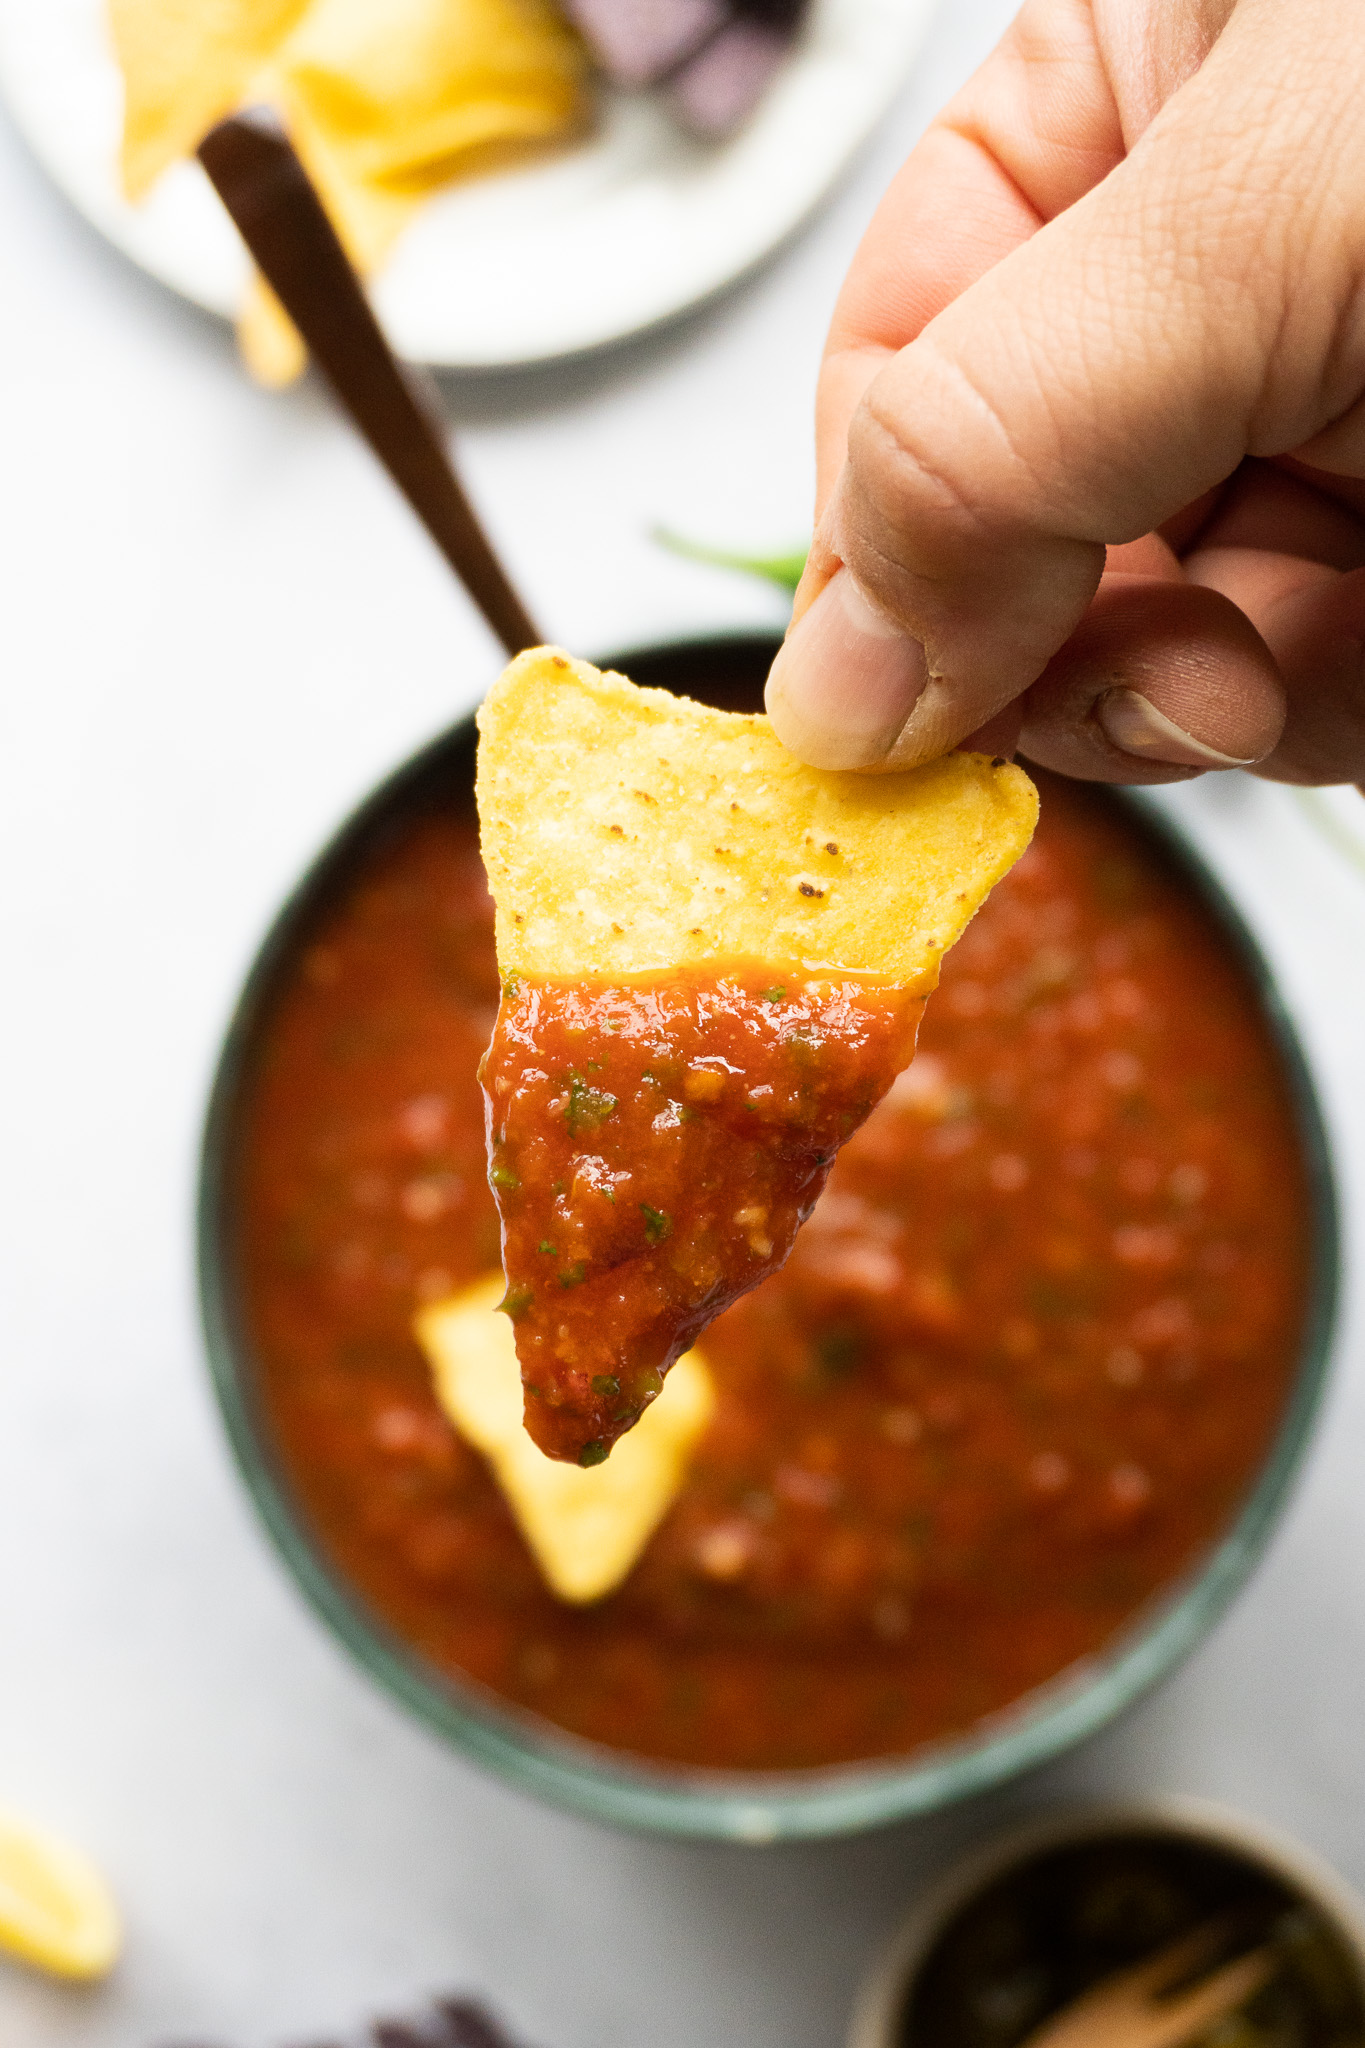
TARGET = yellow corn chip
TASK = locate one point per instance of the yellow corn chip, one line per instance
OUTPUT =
(402, 88)
(385, 101)
(627, 831)
(585, 1528)
(270, 344)
(186, 64)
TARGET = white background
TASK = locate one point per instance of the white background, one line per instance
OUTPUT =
(217, 628)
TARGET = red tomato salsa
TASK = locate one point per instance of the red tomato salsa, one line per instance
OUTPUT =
(653, 1149)
(1022, 1364)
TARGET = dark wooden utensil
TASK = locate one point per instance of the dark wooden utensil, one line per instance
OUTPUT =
(265, 188)
(1154, 2003)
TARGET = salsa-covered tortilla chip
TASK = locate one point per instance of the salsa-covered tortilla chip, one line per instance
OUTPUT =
(714, 962)
(584, 1529)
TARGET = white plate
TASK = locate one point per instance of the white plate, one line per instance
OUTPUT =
(1339, 815)
(604, 241)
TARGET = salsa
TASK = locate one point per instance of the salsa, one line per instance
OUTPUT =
(1023, 1362)
(654, 1147)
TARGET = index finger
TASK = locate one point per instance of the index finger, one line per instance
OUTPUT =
(1028, 135)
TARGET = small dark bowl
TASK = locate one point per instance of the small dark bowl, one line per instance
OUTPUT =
(765, 1806)
(1222, 1852)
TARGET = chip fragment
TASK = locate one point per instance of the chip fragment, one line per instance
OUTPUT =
(585, 1529)
(56, 1910)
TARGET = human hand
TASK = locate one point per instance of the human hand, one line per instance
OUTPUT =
(1115, 301)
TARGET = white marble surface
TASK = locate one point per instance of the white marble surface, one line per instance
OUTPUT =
(217, 627)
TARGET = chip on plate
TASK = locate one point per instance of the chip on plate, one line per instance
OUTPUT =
(714, 962)
(406, 88)
(385, 101)
(186, 64)
(585, 1528)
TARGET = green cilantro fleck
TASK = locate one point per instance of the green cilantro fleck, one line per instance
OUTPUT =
(594, 1454)
(572, 1275)
(550, 1251)
(587, 1107)
(607, 1384)
(774, 994)
(501, 1176)
(516, 1301)
(658, 1226)
(511, 987)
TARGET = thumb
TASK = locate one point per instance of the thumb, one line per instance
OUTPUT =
(1192, 308)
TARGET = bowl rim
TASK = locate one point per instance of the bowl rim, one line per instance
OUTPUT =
(758, 1807)
(881, 1999)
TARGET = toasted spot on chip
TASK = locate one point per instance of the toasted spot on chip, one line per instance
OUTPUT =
(918, 852)
(585, 1524)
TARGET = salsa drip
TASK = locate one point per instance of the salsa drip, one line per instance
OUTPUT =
(654, 1145)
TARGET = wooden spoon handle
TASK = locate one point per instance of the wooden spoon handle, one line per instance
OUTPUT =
(268, 193)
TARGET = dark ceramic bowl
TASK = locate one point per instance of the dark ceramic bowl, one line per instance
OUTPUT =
(1231, 1847)
(533, 1754)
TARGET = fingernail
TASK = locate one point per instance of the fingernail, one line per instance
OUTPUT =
(845, 680)
(1136, 727)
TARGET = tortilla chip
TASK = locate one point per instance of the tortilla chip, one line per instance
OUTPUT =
(385, 101)
(714, 964)
(628, 831)
(585, 1529)
(185, 65)
(404, 89)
